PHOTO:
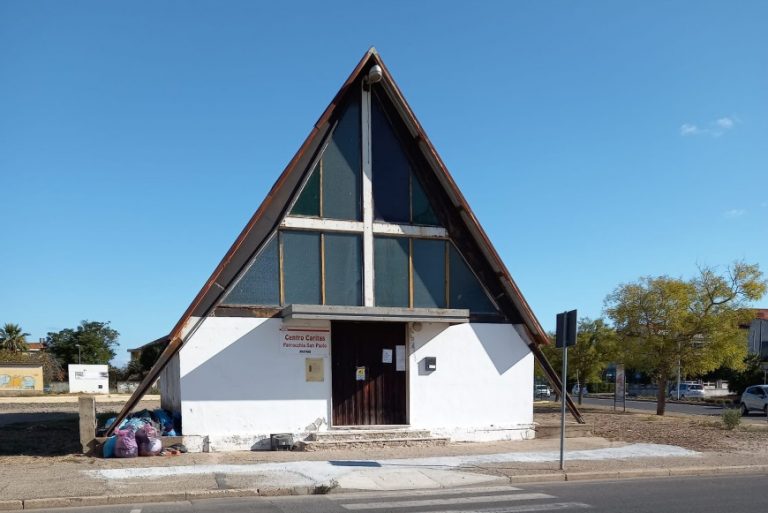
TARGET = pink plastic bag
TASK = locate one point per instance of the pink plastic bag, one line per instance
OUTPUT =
(148, 441)
(126, 446)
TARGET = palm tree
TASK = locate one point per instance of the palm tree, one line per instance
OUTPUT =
(12, 338)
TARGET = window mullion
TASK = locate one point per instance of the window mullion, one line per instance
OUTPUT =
(365, 119)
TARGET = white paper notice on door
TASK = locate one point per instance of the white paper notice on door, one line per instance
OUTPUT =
(386, 356)
(400, 358)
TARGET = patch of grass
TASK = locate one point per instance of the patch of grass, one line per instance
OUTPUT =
(325, 489)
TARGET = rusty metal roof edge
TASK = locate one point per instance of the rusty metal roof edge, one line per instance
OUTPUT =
(176, 341)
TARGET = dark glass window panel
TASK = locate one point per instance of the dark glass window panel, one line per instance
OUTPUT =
(428, 273)
(301, 268)
(343, 269)
(260, 283)
(308, 203)
(465, 289)
(342, 167)
(422, 210)
(391, 170)
(391, 271)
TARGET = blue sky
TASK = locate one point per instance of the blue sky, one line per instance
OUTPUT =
(596, 141)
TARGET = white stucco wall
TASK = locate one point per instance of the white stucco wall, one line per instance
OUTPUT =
(482, 388)
(239, 385)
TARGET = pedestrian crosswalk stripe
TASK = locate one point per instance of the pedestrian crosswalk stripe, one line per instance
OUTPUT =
(420, 493)
(446, 502)
(524, 508)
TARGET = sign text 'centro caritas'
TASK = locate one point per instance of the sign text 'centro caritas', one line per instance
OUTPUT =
(306, 341)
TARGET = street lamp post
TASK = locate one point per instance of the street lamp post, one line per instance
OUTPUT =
(79, 354)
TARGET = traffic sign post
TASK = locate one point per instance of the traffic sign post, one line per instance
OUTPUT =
(565, 336)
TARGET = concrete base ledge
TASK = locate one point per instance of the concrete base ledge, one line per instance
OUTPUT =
(131, 498)
(11, 505)
(591, 476)
(106, 500)
(537, 478)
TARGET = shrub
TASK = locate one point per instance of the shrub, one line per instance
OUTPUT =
(731, 418)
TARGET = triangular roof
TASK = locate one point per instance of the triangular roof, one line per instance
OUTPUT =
(274, 207)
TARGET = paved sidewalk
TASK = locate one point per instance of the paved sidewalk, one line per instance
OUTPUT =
(80, 481)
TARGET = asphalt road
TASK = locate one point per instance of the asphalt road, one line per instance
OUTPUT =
(690, 409)
(735, 494)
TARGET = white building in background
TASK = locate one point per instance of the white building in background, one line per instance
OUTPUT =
(89, 379)
(363, 292)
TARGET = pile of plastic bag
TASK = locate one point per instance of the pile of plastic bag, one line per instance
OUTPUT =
(139, 434)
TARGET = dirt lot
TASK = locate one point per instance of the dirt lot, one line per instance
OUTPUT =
(689, 431)
(46, 430)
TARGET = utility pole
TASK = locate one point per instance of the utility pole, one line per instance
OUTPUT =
(564, 380)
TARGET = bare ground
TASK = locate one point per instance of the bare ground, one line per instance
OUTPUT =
(689, 431)
(47, 429)
(47, 432)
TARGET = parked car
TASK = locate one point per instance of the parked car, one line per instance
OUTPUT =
(542, 392)
(754, 398)
(688, 391)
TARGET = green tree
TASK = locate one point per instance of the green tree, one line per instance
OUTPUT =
(12, 338)
(595, 349)
(97, 343)
(752, 374)
(664, 322)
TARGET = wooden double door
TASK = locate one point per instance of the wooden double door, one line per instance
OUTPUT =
(368, 378)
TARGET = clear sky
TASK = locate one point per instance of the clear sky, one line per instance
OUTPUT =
(596, 141)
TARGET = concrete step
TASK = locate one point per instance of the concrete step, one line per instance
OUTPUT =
(572, 430)
(310, 445)
(353, 435)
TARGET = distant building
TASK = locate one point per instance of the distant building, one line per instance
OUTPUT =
(17, 377)
(136, 351)
(758, 334)
(88, 379)
(35, 347)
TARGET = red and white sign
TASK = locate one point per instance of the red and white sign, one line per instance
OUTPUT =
(306, 341)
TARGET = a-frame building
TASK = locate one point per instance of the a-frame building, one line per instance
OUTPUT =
(362, 292)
